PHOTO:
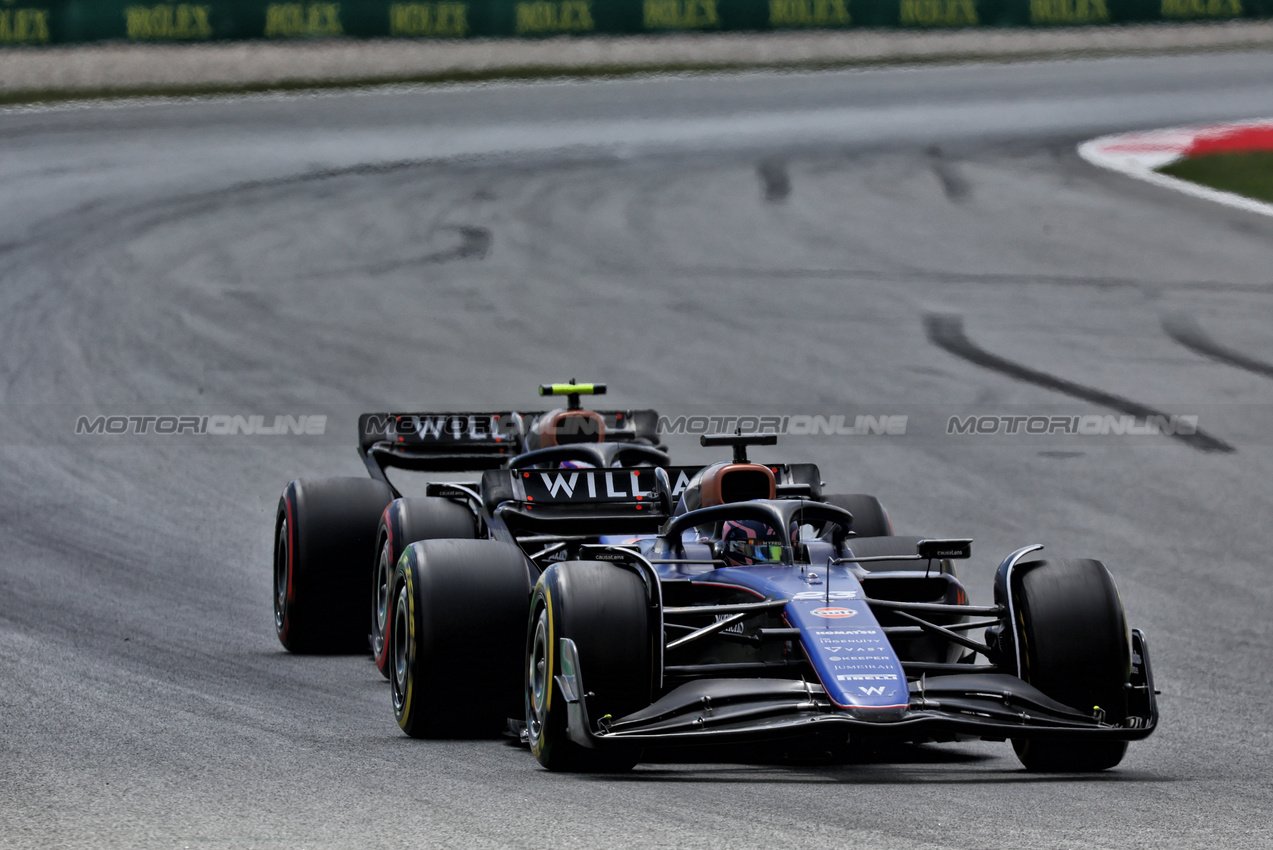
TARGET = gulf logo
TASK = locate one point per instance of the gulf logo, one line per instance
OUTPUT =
(833, 613)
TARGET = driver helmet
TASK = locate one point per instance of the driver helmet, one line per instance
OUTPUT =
(749, 542)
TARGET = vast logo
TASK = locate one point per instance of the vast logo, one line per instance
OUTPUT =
(833, 613)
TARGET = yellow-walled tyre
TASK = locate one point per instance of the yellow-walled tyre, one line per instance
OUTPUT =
(459, 616)
(1077, 650)
(603, 609)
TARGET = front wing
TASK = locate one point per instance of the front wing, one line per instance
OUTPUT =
(990, 706)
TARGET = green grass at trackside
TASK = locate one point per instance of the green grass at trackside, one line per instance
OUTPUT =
(1249, 174)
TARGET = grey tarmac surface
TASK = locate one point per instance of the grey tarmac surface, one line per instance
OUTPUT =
(704, 244)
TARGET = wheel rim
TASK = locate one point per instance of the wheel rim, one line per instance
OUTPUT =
(384, 590)
(537, 678)
(280, 576)
(400, 650)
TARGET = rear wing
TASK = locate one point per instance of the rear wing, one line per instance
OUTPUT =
(439, 442)
(795, 480)
(471, 441)
(632, 500)
(585, 502)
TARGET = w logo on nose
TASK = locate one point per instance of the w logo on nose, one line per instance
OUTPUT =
(874, 690)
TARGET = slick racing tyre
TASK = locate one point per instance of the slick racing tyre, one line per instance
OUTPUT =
(602, 608)
(324, 531)
(459, 618)
(869, 517)
(1075, 648)
(407, 521)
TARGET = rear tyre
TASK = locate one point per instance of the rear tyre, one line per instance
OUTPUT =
(459, 616)
(324, 531)
(1075, 648)
(407, 521)
(869, 517)
(602, 608)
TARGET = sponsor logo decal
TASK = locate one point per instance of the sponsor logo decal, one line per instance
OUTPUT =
(867, 677)
(579, 486)
(833, 613)
(847, 632)
(814, 595)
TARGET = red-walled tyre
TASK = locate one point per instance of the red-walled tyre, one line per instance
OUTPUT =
(324, 532)
(407, 521)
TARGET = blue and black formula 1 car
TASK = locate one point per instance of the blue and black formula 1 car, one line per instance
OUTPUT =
(753, 617)
(757, 611)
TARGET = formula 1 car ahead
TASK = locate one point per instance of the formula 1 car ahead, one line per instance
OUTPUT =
(751, 617)
(332, 534)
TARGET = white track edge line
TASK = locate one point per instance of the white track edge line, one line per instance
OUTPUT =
(1089, 151)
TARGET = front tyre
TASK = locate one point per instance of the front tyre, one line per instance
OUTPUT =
(603, 609)
(459, 616)
(1076, 649)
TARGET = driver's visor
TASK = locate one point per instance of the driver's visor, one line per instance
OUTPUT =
(762, 553)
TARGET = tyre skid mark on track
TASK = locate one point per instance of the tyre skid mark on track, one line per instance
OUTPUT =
(1185, 330)
(947, 332)
(774, 180)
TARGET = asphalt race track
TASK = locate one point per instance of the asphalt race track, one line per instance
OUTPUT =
(921, 242)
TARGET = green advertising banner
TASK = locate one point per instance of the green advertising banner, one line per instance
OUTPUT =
(29, 22)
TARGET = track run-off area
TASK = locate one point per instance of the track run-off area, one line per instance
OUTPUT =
(922, 242)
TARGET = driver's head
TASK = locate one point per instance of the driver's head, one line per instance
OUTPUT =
(748, 542)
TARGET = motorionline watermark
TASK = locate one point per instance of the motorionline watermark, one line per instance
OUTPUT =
(584, 424)
(224, 424)
(1085, 425)
(795, 425)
